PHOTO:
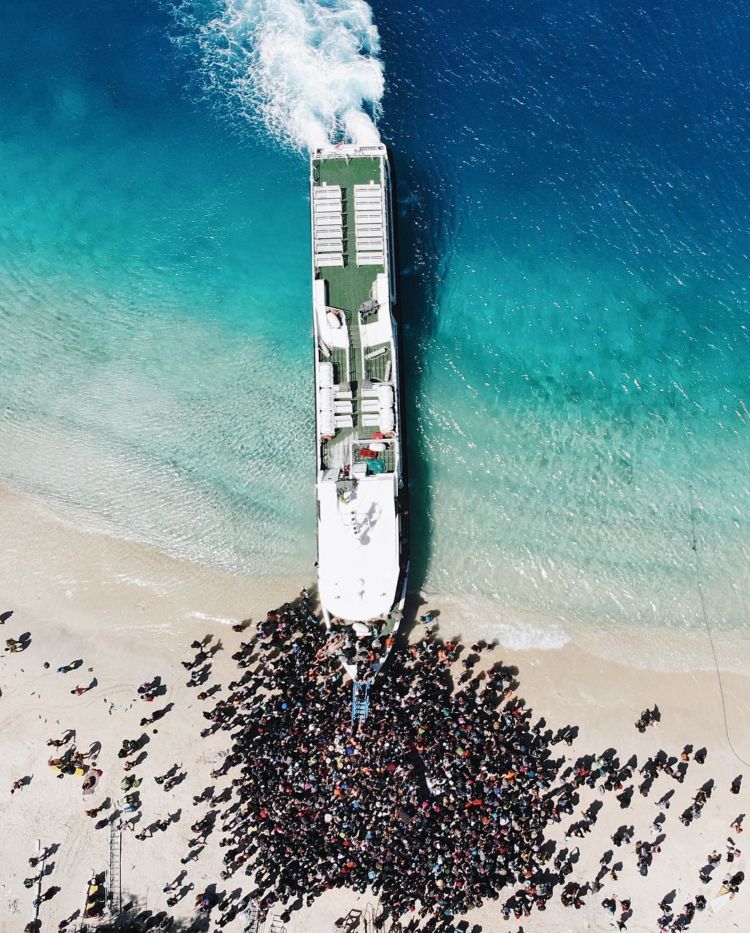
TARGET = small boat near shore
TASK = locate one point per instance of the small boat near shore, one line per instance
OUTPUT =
(360, 478)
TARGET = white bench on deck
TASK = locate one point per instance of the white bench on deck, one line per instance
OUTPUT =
(325, 375)
(331, 336)
(335, 259)
(326, 423)
(369, 224)
(378, 408)
(328, 226)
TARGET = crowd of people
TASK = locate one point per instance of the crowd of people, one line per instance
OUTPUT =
(439, 802)
(441, 799)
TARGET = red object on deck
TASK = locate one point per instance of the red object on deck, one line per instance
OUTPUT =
(367, 454)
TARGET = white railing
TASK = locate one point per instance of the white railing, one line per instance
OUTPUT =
(345, 150)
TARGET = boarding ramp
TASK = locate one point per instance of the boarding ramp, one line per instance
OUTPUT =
(276, 925)
(115, 868)
(252, 918)
(360, 703)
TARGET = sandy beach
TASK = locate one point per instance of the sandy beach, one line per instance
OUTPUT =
(129, 613)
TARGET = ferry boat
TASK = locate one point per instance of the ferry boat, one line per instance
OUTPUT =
(360, 486)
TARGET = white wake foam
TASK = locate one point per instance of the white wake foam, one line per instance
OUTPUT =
(308, 68)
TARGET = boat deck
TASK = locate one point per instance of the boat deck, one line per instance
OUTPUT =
(356, 369)
(360, 488)
(349, 285)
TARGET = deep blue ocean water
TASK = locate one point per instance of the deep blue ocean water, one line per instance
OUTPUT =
(574, 194)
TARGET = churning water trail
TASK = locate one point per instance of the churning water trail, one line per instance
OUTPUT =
(308, 69)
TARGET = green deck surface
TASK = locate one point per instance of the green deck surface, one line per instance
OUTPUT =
(375, 368)
(346, 172)
(350, 285)
(340, 360)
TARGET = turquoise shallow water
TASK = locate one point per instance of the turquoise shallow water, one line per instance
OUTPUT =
(153, 299)
(573, 194)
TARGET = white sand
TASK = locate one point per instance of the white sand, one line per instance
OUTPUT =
(130, 613)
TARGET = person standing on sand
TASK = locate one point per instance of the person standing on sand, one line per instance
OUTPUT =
(79, 690)
(64, 924)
